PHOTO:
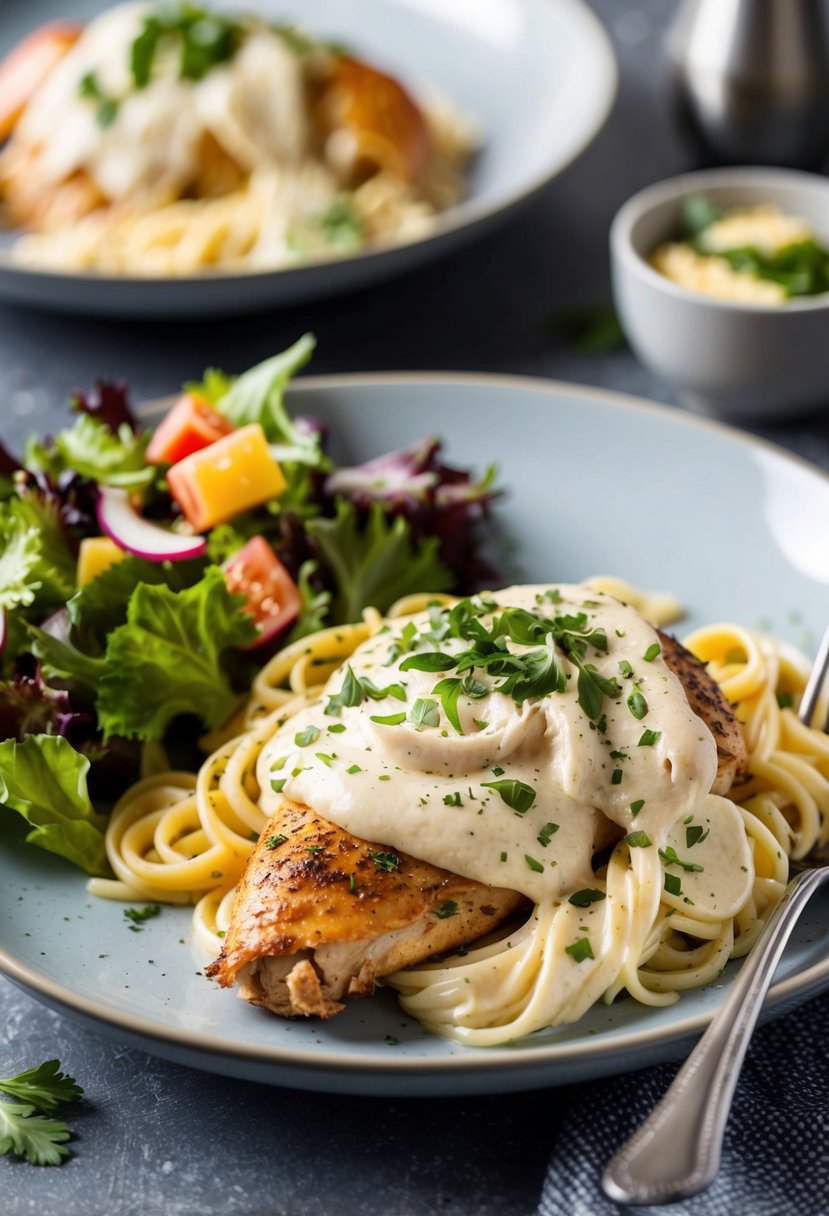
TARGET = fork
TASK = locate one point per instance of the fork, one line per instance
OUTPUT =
(676, 1152)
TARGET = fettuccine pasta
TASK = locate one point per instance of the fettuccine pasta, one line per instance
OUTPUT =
(178, 838)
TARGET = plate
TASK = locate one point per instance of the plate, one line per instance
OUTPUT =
(538, 76)
(596, 483)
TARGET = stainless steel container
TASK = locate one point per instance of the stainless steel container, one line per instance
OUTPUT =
(750, 79)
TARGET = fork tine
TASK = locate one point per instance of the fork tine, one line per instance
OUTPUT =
(811, 692)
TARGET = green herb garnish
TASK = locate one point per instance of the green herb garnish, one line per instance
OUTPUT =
(580, 950)
(516, 794)
(586, 897)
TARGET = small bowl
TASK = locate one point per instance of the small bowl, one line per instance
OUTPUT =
(746, 362)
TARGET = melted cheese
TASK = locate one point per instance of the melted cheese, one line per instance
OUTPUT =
(427, 791)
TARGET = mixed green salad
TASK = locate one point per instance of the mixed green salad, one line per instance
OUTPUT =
(147, 573)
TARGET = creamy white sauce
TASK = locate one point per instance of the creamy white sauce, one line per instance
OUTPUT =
(424, 791)
(253, 105)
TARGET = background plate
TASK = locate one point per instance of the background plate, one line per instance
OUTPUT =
(597, 483)
(538, 76)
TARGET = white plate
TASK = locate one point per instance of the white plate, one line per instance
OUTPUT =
(538, 76)
(597, 483)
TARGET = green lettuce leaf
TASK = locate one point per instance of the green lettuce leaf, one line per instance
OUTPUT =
(100, 606)
(377, 563)
(91, 448)
(36, 564)
(259, 396)
(63, 661)
(168, 658)
(44, 780)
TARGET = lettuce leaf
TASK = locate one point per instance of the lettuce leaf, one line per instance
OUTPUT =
(37, 566)
(168, 658)
(259, 396)
(100, 606)
(61, 660)
(375, 563)
(44, 780)
(89, 447)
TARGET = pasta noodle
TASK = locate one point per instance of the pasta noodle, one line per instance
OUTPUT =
(179, 838)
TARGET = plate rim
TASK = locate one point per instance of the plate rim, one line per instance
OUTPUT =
(513, 1060)
(465, 217)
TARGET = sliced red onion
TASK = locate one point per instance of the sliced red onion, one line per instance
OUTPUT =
(4, 630)
(120, 521)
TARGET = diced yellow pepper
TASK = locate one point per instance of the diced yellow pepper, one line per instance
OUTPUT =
(232, 475)
(96, 554)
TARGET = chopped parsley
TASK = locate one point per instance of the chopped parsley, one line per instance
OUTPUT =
(273, 842)
(137, 916)
(673, 884)
(446, 909)
(635, 807)
(388, 719)
(386, 861)
(106, 108)
(695, 835)
(580, 950)
(534, 864)
(424, 713)
(547, 833)
(638, 840)
(669, 856)
(304, 738)
(586, 897)
(653, 651)
(637, 705)
(516, 794)
(649, 737)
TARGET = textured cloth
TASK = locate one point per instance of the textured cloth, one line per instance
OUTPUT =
(775, 1158)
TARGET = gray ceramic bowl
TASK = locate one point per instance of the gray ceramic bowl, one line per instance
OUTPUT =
(740, 361)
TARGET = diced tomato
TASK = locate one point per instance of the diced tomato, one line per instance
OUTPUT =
(192, 424)
(273, 598)
(26, 67)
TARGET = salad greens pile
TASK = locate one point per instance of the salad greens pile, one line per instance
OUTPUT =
(96, 677)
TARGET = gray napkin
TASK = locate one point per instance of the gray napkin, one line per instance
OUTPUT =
(776, 1151)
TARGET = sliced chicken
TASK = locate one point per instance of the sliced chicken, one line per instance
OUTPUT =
(707, 701)
(320, 914)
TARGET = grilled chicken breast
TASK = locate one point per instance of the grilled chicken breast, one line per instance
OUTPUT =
(320, 914)
(707, 701)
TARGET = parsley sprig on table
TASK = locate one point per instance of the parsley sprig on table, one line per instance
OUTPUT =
(534, 673)
(25, 1128)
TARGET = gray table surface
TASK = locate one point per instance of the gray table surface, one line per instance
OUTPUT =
(158, 1138)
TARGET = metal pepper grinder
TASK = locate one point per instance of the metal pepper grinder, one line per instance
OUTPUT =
(750, 79)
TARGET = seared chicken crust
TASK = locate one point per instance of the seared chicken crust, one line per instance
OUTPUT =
(319, 914)
(707, 701)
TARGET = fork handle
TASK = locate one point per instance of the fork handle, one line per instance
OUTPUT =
(676, 1151)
